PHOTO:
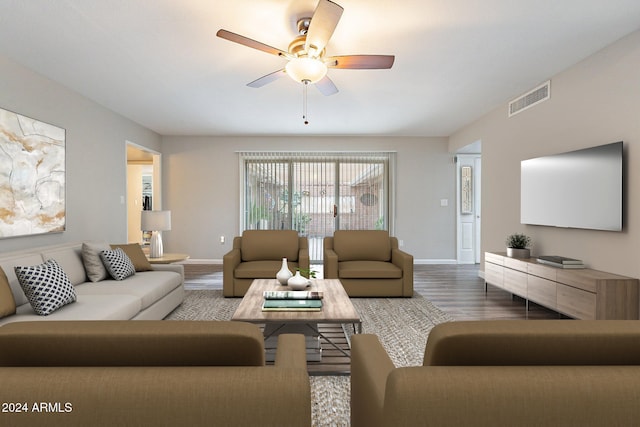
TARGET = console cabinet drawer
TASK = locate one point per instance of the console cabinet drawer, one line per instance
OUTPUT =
(493, 258)
(542, 271)
(493, 274)
(515, 264)
(576, 302)
(515, 282)
(541, 291)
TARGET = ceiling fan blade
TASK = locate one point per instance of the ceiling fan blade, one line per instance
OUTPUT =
(237, 38)
(360, 61)
(326, 86)
(323, 23)
(264, 80)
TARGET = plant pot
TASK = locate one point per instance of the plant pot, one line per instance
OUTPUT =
(518, 253)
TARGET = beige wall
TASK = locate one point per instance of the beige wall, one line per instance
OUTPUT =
(201, 187)
(95, 155)
(594, 102)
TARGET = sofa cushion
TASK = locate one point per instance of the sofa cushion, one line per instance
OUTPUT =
(271, 245)
(93, 264)
(358, 245)
(135, 254)
(368, 270)
(148, 286)
(86, 307)
(46, 286)
(261, 269)
(7, 303)
(69, 258)
(117, 263)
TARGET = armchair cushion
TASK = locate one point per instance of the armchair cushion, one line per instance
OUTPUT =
(260, 269)
(272, 245)
(369, 270)
(356, 245)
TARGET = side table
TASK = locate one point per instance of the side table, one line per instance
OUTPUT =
(168, 258)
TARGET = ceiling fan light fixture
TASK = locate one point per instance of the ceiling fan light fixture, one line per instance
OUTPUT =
(306, 69)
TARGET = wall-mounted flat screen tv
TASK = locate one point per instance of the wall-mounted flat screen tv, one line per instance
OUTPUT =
(577, 189)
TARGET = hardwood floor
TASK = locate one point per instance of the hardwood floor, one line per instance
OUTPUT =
(460, 292)
(455, 289)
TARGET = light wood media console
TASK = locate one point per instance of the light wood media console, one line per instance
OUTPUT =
(577, 293)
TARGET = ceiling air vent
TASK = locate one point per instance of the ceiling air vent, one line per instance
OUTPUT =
(531, 98)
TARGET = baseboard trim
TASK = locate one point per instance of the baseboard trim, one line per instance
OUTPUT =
(415, 261)
(434, 261)
(202, 261)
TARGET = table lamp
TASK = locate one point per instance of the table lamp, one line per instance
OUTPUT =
(156, 222)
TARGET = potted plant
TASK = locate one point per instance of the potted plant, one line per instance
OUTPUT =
(309, 273)
(518, 246)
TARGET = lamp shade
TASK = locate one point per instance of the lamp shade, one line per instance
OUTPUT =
(301, 69)
(156, 221)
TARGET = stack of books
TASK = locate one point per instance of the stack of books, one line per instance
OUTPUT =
(292, 301)
(560, 261)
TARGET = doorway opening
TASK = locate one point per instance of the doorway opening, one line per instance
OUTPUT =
(143, 188)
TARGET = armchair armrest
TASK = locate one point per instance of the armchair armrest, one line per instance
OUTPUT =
(291, 352)
(303, 258)
(370, 367)
(230, 261)
(330, 262)
(404, 261)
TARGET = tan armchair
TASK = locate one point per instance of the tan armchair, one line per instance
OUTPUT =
(257, 254)
(368, 263)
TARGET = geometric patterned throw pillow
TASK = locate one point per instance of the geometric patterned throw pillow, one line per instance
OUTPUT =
(117, 263)
(46, 286)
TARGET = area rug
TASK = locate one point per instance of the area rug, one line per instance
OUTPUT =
(402, 324)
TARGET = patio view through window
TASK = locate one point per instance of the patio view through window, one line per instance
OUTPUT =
(316, 193)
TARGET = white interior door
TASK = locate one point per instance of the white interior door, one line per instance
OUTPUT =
(468, 208)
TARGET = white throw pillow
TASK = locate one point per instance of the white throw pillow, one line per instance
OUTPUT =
(46, 286)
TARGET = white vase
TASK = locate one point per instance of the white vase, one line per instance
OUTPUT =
(284, 274)
(298, 282)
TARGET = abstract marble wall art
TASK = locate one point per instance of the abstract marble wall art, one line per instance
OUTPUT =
(32, 176)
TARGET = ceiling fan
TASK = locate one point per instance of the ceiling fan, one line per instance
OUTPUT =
(307, 62)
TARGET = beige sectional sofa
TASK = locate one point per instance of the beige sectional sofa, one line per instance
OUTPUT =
(151, 293)
(151, 373)
(504, 373)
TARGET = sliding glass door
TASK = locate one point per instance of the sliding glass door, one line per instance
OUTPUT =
(316, 193)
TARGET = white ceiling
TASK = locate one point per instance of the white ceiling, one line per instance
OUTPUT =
(159, 62)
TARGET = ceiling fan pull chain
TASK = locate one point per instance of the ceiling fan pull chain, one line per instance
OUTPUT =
(305, 117)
